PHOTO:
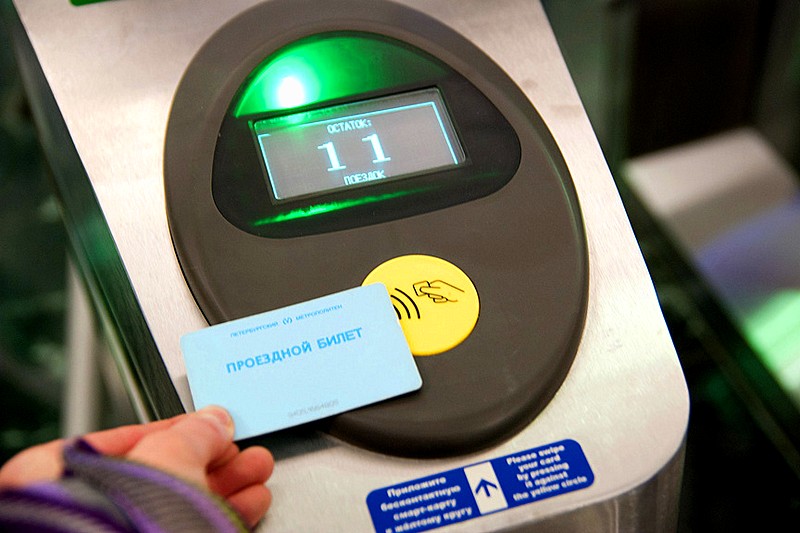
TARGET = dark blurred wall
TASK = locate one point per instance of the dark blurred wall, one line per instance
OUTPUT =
(696, 67)
(777, 114)
(656, 73)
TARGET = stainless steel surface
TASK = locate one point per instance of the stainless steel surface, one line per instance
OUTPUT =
(113, 68)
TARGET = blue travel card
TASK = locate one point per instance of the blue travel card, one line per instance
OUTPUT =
(301, 363)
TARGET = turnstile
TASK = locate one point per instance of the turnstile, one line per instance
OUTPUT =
(219, 159)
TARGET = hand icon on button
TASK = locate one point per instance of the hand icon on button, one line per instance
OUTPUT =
(439, 291)
(436, 329)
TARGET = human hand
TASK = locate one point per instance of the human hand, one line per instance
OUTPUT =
(196, 447)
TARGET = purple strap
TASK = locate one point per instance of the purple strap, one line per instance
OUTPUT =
(150, 501)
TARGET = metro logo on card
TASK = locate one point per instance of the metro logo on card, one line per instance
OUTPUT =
(301, 363)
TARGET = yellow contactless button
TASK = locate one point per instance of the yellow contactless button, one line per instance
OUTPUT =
(436, 303)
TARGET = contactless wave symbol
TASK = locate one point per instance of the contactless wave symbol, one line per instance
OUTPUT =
(401, 299)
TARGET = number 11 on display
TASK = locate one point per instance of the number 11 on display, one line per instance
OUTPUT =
(336, 164)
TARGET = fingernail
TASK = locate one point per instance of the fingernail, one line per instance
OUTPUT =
(220, 416)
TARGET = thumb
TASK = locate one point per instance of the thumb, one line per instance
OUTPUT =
(187, 448)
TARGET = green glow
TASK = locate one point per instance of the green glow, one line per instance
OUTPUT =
(323, 68)
(292, 92)
(774, 330)
(289, 81)
(329, 207)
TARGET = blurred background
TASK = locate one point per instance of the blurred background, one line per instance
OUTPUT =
(696, 104)
(32, 276)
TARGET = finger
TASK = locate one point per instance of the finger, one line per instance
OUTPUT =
(230, 453)
(119, 441)
(253, 466)
(45, 462)
(188, 446)
(251, 503)
(39, 463)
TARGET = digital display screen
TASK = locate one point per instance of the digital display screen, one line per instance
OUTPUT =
(319, 151)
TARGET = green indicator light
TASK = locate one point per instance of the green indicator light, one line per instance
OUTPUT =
(289, 81)
(330, 207)
(292, 92)
(328, 67)
(85, 2)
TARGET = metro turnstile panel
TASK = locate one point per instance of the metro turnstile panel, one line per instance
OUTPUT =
(103, 78)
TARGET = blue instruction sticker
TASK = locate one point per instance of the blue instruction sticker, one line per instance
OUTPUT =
(483, 488)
